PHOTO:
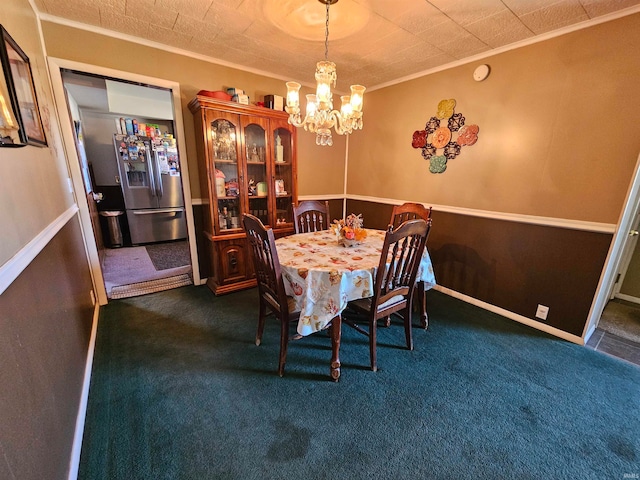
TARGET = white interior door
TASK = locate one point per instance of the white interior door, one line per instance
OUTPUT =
(613, 264)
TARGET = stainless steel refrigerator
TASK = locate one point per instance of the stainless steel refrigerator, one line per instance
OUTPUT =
(150, 180)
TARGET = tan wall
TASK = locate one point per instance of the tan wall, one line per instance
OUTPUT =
(33, 185)
(558, 130)
(321, 170)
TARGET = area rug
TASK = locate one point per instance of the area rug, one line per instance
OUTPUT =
(143, 288)
(169, 255)
(124, 269)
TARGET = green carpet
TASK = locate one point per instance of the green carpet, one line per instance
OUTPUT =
(180, 391)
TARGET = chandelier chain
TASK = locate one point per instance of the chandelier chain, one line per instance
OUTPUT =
(326, 35)
(320, 117)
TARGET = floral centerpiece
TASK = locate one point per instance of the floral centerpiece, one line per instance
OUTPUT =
(349, 231)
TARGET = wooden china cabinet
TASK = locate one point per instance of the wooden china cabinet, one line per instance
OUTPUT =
(246, 163)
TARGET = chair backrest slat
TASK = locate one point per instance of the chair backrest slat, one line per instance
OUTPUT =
(400, 259)
(311, 216)
(265, 259)
(409, 211)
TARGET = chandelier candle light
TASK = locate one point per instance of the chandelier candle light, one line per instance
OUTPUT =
(320, 116)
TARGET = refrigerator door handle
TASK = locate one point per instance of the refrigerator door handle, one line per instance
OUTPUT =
(152, 175)
(157, 210)
(159, 189)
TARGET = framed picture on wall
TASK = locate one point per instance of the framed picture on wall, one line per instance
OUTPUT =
(17, 73)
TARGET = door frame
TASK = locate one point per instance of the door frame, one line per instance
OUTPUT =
(55, 65)
(616, 253)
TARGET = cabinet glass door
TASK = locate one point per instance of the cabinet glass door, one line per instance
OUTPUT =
(258, 191)
(224, 145)
(283, 186)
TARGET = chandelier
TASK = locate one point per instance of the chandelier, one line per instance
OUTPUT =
(320, 117)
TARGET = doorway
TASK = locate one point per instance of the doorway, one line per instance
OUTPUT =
(621, 315)
(614, 322)
(618, 331)
(138, 196)
(145, 264)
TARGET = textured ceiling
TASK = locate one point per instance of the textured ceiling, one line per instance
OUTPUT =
(373, 42)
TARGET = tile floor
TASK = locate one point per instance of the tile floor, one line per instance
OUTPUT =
(615, 346)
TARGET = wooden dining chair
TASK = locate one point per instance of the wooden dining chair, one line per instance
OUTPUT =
(409, 211)
(394, 282)
(400, 214)
(270, 284)
(311, 216)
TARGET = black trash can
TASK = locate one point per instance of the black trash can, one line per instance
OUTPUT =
(113, 224)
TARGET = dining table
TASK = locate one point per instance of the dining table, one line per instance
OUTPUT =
(322, 276)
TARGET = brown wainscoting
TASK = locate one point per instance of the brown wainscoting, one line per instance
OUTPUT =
(335, 209)
(44, 338)
(512, 265)
(374, 215)
(202, 243)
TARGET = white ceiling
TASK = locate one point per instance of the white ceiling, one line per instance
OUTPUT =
(87, 91)
(373, 42)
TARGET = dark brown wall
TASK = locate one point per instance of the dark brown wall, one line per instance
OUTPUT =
(45, 326)
(335, 209)
(204, 259)
(512, 265)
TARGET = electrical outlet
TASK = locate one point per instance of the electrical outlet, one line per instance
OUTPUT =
(542, 312)
(93, 297)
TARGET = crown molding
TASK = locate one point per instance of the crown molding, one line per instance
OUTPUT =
(513, 46)
(205, 58)
(160, 46)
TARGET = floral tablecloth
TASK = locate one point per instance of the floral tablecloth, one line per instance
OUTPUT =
(323, 276)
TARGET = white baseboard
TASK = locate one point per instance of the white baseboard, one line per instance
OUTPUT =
(627, 298)
(513, 316)
(74, 462)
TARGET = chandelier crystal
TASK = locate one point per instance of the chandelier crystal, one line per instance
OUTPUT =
(320, 117)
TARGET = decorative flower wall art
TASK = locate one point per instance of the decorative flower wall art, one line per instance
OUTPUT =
(440, 143)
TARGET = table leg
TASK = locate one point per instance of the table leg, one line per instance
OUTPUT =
(336, 333)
